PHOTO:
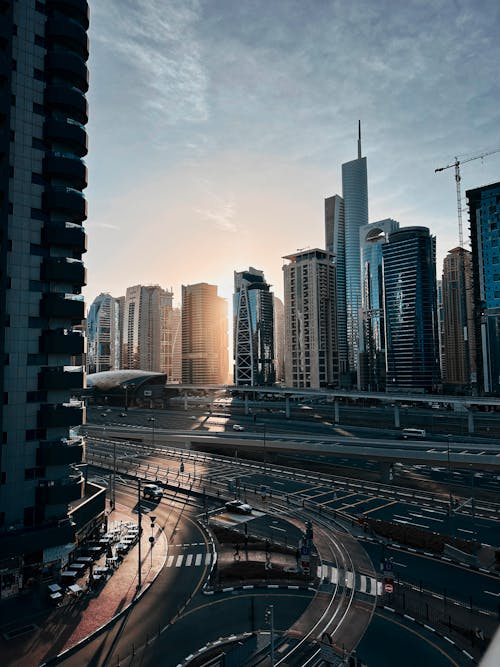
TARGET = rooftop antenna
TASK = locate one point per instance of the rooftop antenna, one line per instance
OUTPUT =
(359, 140)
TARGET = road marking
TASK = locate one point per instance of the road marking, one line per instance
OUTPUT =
(375, 509)
(189, 559)
(170, 560)
(496, 595)
(208, 558)
(197, 561)
(179, 560)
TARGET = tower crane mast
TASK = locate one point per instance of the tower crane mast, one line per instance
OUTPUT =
(458, 179)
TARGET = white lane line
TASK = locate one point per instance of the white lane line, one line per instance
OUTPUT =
(496, 595)
(170, 560)
(179, 560)
(189, 560)
(197, 560)
(208, 558)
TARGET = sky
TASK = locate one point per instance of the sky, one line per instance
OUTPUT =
(217, 128)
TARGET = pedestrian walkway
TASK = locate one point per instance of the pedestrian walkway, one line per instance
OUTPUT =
(361, 582)
(189, 560)
(32, 631)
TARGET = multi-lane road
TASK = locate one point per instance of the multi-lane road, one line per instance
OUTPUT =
(296, 490)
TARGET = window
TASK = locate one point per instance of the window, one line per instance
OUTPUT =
(38, 108)
(37, 178)
(39, 40)
(38, 74)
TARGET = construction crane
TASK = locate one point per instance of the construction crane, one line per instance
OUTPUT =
(458, 178)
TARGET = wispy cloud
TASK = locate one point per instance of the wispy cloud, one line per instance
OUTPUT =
(222, 217)
(156, 41)
(105, 225)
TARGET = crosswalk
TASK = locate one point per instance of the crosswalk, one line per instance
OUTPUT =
(361, 582)
(189, 560)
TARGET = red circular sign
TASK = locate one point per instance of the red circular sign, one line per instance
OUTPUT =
(389, 588)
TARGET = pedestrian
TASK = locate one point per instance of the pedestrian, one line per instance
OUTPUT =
(236, 552)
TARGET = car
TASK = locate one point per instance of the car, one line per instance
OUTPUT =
(237, 427)
(152, 491)
(193, 417)
(103, 414)
(123, 414)
(238, 507)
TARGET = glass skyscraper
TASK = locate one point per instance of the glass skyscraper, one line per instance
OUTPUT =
(372, 342)
(484, 217)
(411, 327)
(253, 314)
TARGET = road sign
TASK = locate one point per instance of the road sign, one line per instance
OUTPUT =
(152, 539)
(388, 587)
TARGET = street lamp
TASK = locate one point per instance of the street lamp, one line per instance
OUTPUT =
(153, 420)
(449, 472)
(152, 539)
(269, 616)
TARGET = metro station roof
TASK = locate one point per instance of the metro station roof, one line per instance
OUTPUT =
(123, 379)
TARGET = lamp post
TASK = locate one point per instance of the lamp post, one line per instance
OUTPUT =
(152, 539)
(139, 525)
(153, 420)
(113, 487)
(450, 498)
(269, 616)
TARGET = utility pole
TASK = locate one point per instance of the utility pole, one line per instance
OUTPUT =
(139, 525)
(270, 621)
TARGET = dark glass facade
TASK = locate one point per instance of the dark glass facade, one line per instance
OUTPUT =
(412, 358)
(42, 112)
(484, 218)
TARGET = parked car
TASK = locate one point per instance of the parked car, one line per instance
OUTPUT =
(238, 506)
(237, 427)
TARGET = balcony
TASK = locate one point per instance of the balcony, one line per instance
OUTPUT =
(67, 32)
(61, 306)
(75, 9)
(69, 201)
(67, 99)
(63, 270)
(69, 133)
(61, 341)
(59, 415)
(60, 379)
(69, 66)
(60, 452)
(65, 235)
(62, 492)
(66, 166)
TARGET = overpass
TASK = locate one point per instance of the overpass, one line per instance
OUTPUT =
(334, 396)
(454, 455)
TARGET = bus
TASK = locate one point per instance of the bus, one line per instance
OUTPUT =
(413, 433)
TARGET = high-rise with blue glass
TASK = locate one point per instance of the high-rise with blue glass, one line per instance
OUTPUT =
(344, 216)
(484, 218)
(253, 315)
(372, 237)
(411, 326)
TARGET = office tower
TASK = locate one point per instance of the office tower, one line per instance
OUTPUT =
(484, 217)
(279, 339)
(411, 328)
(253, 329)
(171, 342)
(459, 336)
(335, 244)
(204, 335)
(142, 327)
(344, 216)
(440, 314)
(103, 334)
(372, 339)
(43, 112)
(310, 320)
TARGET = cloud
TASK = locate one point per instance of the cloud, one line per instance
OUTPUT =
(221, 217)
(155, 44)
(105, 225)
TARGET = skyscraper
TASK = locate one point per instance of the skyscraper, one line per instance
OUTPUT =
(253, 327)
(171, 342)
(43, 112)
(344, 216)
(310, 320)
(104, 340)
(279, 339)
(458, 310)
(372, 341)
(411, 329)
(204, 335)
(142, 326)
(355, 194)
(484, 217)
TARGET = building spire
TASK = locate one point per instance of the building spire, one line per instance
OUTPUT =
(359, 140)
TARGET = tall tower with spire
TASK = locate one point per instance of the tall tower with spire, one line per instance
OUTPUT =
(344, 216)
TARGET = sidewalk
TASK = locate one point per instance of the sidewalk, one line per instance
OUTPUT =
(33, 632)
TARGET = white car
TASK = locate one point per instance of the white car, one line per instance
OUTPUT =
(239, 507)
(237, 427)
